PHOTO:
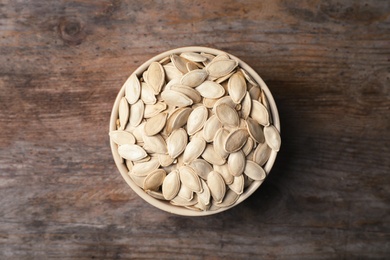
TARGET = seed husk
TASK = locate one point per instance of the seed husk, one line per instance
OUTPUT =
(237, 87)
(216, 185)
(124, 112)
(137, 113)
(246, 106)
(144, 168)
(175, 98)
(236, 163)
(272, 137)
(179, 63)
(255, 130)
(122, 137)
(155, 124)
(219, 68)
(236, 140)
(230, 198)
(188, 91)
(177, 142)
(224, 100)
(248, 147)
(165, 160)
(211, 126)
(193, 56)
(238, 184)
(138, 180)
(131, 152)
(132, 89)
(210, 89)
(227, 115)
(194, 149)
(205, 195)
(155, 194)
(225, 173)
(155, 77)
(147, 94)
(262, 154)
(178, 201)
(154, 180)
(171, 72)
(185, 193)
(178, 119)
(201, 167)
(254, 92)
(154, 143)
(152, 110)
(209, 102)
(194, 78)
(190, 179)
(254, 171)
(211, 156)
(196, 119)
(260, 113)
(219, 142)
(171, 185)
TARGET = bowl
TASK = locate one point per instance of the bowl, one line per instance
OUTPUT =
(251, 185)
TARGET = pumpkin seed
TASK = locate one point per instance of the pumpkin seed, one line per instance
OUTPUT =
(193, 56)
(254, 171)
(236, 140)
(131, 152)
(255, 131)
(188, 91)
(194, 149)
(201, 167)
(155, 124)
(185, 193)
(175, 98)
(137, 113)
(194, 78)
(211, 126)
(177, 142)
(227, 115)
(124, 112)
(219, 142)
(154, 143)
(155, 77)
(237, 87)
(260, 113)
(152, 110)
(190, 179)
(147, 94)
(178, 119)
(154, 180)
(196, 119)
(225, 173)
(246, 106)
(230, 198)
(216, 185)
(210, 89)
(171, 72)
(219, 68)
(171, 185)
(272, 137)
(262, 154)
(211, 156)
(132, 89)
(179, 63)
(248, 147)
(236, 163)
(122, 137)
(238, 184)
(144, 168)
(155, 194)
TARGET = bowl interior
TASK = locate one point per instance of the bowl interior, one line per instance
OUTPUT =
(166, 206)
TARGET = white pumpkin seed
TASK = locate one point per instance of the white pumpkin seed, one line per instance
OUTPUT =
(155, 124)
(171, 185)
(236, 163)
(224, 100)
(155, 194)
(124, 112)
(225, 173)
(177, 142)
(272, 137)
(219, 142)
(155, 77)
(210, 89)
(185, 193)
(236, 140)
(152, 110)
(248, 147)
(137, 113)
(238, 184)
(194, 78)
(175, 98)
(237, 87)
(194, 149)
(201, 167)
(246, 106)
(132, 89)
(193, 56)
(230, 198)
(188, 91)
(178, 119)
(254, 171)
(165, 160)
(227, 115)
(260, 113)
(211, 156)
(147, 94)
(154, 143)
(216, 185)
(262, 154)
(171, 72)
(255, 130)
(144, 168)
(190, 179)
(219, 68)
(122, 137)
(154, 180)
(196, 119)
(254, 92)
(131, 152)
(138, 180)
(179, 63)
(211, 126)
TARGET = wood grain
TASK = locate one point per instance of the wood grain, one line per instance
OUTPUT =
(327, 64)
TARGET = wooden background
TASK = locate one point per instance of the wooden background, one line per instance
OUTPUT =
(63, 62)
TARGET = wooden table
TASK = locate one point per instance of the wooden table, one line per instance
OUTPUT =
(63, 62)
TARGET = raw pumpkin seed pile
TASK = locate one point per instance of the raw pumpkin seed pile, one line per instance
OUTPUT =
(195, 130)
